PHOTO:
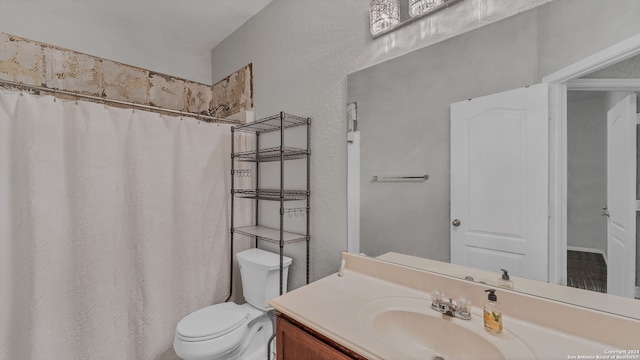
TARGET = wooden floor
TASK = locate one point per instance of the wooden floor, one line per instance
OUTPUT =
(586, 270)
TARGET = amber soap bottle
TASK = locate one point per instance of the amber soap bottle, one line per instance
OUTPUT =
(492, 313)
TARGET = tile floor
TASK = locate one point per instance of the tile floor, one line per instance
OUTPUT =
(586, 271)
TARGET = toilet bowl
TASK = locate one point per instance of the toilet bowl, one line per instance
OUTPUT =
(230, 331)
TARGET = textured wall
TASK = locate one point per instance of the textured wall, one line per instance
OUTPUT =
(39, 64)
(574, 29)
(518, 57)
(301, 52)
(235, 91)
(629, 68)
(75, 24)
(403, 113)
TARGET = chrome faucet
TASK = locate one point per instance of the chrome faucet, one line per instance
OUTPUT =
(460, 309)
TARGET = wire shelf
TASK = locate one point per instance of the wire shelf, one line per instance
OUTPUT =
(271, 154)
(269, 235)
(270, 194)
(272, 123)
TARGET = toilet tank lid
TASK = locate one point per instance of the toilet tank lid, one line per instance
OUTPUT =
(263, 259)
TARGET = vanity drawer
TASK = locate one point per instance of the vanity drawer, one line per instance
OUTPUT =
(295, 341)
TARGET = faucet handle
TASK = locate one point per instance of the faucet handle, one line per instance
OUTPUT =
(436, 297)
(464, 306)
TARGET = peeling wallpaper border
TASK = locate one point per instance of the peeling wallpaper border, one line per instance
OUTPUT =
(39, 64)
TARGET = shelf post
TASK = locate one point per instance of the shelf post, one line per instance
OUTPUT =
(233, 131)
(282, 115)
(308, 193)
(257, 180)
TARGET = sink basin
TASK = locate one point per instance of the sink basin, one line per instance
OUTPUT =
(412, 330)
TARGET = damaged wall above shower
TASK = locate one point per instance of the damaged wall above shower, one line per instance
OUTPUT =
(35, 63)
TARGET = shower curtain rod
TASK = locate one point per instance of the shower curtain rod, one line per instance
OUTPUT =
(206, 118)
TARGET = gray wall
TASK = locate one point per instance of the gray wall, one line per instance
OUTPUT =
(80, 27)
(569, 30)
(302, 51)
(403, 112)
(587, 170)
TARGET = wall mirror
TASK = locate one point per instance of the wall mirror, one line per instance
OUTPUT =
(404, 110)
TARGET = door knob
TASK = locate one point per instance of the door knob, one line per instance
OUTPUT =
(455, 223)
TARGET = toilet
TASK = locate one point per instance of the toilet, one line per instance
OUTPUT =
(230, 331)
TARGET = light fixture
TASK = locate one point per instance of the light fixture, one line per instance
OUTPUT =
(388, 15)
(383, 15)
(419, 7)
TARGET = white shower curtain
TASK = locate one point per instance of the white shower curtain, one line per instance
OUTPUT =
(113, 226)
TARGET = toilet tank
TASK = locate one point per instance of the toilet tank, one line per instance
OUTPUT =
(260, 273)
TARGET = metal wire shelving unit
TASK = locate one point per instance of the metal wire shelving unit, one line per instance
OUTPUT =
(278, 154)
(271, 154)
(271, 194)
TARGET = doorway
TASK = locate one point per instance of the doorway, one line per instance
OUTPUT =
(560, 82)
(588, 189)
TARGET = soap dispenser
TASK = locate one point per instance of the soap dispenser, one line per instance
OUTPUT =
(505, 282)
(492, 313)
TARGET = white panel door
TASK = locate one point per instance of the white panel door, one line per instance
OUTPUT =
(621, 196)
(499, 182)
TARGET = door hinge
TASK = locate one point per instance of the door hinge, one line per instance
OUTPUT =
(637, 205)
(637, 119)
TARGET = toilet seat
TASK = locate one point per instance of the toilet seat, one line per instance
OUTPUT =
(212, 322)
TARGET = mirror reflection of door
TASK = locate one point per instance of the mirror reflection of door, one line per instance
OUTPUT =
(601, 187)
(499, 178)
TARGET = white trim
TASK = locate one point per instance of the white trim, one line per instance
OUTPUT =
(557, 145)
(603, 84)
(353, 198)
(557, 184)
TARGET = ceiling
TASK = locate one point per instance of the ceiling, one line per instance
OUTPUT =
(203, 23)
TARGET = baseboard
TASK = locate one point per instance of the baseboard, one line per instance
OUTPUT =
(589, 250)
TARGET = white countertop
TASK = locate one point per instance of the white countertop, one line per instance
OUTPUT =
(333, 307)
